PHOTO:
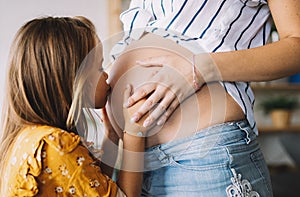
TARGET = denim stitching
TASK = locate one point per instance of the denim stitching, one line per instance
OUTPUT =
(255, 157)
(239, 187)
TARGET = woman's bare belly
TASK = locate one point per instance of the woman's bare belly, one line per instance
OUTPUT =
(209, 106)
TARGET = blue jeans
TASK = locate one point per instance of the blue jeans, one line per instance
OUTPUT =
(222, 160)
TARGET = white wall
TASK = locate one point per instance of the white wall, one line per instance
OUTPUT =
(14, 13)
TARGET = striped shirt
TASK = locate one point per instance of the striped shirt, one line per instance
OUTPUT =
(219, 25)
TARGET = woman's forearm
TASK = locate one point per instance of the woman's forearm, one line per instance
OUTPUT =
(272, 61)
(269, 62)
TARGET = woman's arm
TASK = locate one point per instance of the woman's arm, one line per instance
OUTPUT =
(272, 61)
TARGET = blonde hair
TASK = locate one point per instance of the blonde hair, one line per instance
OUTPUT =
(46, 79)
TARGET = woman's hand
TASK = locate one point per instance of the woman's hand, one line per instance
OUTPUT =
(171, 85)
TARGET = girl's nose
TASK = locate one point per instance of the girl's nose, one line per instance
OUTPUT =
(105, 75)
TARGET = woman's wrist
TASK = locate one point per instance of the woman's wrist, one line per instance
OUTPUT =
(205, 69)
(196, 78)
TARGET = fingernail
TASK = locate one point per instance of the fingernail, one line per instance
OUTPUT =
(161, 121)
(134, 119)
(126, 104)
(129, 101)
(147, 123)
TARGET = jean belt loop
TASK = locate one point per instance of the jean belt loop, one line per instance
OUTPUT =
(246, 130)
(161, 155)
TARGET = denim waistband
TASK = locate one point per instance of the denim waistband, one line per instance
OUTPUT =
(200, 144)
(216, 134)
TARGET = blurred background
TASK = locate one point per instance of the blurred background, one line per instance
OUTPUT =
(280, 144)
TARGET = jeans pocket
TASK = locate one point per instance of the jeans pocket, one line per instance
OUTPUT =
(215, 158)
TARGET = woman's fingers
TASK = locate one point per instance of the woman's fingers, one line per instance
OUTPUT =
(152, 61)
(139, 93)
(148, 105)
(160, 109)
(164, 117)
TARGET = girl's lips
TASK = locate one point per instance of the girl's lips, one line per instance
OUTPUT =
(108, 89)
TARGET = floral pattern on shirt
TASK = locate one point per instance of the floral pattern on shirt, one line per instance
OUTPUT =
(47, 161)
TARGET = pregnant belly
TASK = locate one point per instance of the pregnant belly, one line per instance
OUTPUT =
(210, 105)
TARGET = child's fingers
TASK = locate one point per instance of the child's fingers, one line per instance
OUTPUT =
(127, 93)
(139, 93)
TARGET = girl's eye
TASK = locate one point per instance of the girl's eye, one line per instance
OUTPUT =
(101, 68)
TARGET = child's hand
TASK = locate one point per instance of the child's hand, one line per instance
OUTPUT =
(131, 127)
(108, 128)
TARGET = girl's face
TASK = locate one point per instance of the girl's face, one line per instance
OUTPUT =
(100, 89)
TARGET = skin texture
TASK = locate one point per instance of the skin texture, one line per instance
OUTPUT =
(209, 106)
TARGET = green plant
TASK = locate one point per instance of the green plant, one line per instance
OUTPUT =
(281, 102)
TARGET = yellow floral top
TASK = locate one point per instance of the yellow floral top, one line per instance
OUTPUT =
(47, 161)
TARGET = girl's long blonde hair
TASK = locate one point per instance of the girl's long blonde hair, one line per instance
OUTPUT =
(45, 81)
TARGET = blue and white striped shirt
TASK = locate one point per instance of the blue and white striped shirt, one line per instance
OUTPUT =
(220, 25)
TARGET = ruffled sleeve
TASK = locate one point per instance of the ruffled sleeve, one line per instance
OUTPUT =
(69, 170)
(51, 162)
(24, 162)
(135, 19)
(62, 141)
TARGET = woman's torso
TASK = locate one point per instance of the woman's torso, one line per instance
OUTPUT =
(209, 106)
(220, 25)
